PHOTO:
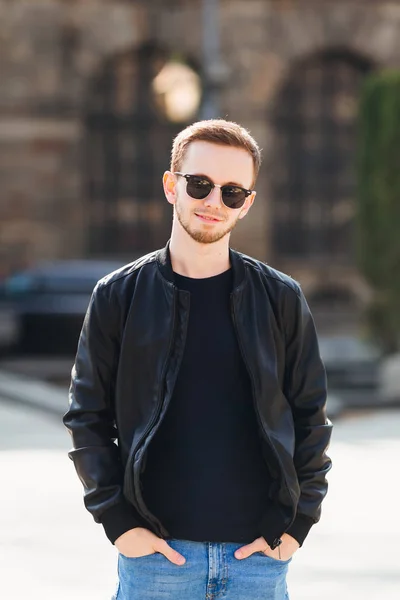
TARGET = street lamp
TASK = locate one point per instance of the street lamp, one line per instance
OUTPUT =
(177, 90)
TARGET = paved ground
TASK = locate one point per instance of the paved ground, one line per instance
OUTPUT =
(50, 547)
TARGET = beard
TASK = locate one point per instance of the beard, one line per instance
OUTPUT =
(198, 235)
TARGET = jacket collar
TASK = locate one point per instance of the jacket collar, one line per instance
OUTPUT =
(165, 265)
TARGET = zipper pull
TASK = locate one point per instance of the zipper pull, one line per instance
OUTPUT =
(277, 542)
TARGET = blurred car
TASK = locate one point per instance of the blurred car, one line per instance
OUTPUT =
(44, 306)
(353, 368)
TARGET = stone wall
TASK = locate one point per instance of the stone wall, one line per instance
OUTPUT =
(48, 52)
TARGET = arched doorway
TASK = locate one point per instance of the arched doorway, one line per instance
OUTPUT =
(314, 169)
(137, 103)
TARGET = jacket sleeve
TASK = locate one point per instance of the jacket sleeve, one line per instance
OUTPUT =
(306, 390)
(91, 422)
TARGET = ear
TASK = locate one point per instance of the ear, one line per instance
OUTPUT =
(247, 205)
(169, 184)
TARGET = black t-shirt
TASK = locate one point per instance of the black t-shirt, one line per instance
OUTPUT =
(205, 478)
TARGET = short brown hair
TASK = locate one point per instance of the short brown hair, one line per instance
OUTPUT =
(215, 131)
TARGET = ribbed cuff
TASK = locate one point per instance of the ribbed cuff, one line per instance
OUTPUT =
(300, 528)
(120, 518)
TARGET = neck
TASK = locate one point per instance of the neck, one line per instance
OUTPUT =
(196, 260)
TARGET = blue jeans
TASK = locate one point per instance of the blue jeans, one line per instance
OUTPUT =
(210, 572)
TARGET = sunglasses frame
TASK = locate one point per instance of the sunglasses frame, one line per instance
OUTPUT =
(187, 176)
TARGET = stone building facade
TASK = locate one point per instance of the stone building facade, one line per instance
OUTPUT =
(82, 148)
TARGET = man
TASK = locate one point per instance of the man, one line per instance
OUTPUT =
(203, 364)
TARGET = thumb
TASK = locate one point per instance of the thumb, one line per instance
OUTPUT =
(170, 553)
(246, 551)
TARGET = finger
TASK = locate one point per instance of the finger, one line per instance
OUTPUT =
(170, 553)
(246, 551)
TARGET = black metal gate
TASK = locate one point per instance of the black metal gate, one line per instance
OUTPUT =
(128, 142)
(314, 177)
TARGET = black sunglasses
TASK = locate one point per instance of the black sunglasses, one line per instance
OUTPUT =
(199, 187)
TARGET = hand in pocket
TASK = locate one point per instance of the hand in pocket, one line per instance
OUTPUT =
(139, 542)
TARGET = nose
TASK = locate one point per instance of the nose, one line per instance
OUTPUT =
(214, 198)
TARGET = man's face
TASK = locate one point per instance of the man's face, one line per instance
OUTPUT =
(222, 165)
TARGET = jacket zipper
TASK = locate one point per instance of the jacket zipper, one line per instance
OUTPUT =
(134, 451)
(259, 420)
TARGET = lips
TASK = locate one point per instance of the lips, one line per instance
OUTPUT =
(209, 218)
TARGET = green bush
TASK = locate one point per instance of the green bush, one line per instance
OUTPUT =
(378, 218)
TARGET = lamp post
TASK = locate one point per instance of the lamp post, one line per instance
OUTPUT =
(213, 69)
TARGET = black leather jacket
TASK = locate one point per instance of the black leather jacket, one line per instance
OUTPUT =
(126, 365)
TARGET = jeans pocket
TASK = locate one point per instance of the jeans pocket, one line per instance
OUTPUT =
(276, 560)
(138, 557)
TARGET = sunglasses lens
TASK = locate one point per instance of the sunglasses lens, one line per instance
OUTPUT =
(233, 197)
(198, 187)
